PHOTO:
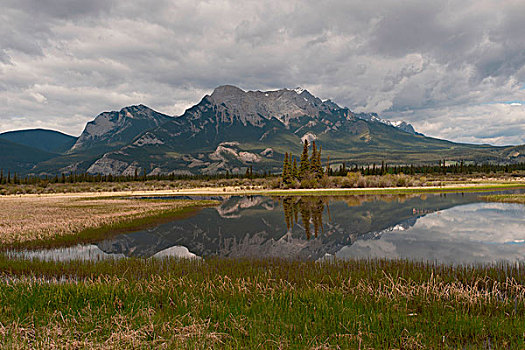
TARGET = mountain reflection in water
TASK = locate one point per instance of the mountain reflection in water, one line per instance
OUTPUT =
(454, 227)
(308, 227)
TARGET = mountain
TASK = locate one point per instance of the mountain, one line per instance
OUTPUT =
(45, 140)
(115, 129)
(232, 129)
(402, 125)
(107, 132)
(18, 158)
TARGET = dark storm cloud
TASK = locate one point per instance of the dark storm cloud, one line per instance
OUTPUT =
(440, 65)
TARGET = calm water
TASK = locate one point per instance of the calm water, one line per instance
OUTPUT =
(450, 228)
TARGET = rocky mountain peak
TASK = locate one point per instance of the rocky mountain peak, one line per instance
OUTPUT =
(118, 127)
(254, 107)
(226, 92)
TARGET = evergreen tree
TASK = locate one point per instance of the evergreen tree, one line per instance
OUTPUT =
(287, 174)
(314, 166)
(295, 171)
(318, 163)
(304, 167)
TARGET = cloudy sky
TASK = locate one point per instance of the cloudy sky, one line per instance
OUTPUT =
(454, 69)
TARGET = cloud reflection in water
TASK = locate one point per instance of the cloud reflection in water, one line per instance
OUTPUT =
(472, 233)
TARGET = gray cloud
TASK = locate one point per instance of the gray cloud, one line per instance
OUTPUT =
(440, 65)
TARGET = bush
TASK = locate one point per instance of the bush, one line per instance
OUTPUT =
(325, 182)
(361, 182)
(309, 182)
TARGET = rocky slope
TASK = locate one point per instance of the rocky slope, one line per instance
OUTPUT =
(115, 129)
(107, 132)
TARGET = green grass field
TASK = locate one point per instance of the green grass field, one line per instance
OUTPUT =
(226, 303)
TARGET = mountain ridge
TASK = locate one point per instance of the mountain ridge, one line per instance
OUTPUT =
(117, 128)
(232, 129)
(18, 158)
(43, 139)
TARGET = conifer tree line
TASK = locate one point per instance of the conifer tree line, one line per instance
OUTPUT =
(310, 167)
(15, 179)
(441, 168)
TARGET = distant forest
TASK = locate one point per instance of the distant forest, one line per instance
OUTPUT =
(309, 168)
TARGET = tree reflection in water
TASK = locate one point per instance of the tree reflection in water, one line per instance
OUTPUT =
(309, 208)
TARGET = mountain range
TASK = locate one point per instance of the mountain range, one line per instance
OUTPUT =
(231, 130)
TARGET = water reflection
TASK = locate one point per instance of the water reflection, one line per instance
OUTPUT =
(78, 252)
(311, 210)
(91, 252)
(472, 233)
(451, 228)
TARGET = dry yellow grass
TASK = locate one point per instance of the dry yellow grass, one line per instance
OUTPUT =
(31, 218)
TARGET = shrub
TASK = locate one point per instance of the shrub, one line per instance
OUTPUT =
(325, 182)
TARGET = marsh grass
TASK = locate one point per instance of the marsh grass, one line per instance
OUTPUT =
(506, 198)
(46, 222)
(271, 303)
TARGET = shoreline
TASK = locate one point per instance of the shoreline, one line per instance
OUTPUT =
(236, 190)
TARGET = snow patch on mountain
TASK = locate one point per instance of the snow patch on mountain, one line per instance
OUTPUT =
(309, 136)
(399, 124)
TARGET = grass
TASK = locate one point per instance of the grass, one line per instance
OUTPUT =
(506, 198)
(226, 303)
(50, 221)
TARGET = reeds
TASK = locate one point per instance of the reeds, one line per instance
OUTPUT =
(270, 303)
